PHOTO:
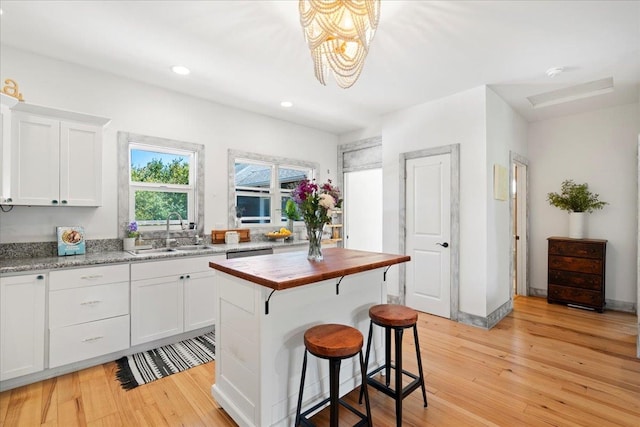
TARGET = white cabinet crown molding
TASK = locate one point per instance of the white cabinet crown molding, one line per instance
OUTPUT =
(61, 114)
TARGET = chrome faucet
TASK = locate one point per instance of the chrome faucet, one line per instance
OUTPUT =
(168, 239)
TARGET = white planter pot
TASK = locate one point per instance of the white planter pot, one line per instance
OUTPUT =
(577, 225)
(128, 243)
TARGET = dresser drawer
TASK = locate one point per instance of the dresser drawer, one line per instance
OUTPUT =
(581, 265)
(72, 306)
(87, 340)
(575, 296)
(576, 249)
(577, 280)
(90, 276)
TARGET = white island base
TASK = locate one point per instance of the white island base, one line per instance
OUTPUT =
(259, 356)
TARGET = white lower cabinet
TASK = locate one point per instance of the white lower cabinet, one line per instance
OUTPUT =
(22, 325)
(169, 297)
(88, 313)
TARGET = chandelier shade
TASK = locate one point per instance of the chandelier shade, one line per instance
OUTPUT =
(338, 33)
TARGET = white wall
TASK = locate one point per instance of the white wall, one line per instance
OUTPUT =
(457, 119)
(149, 110)
(598, 148)
(506, 131)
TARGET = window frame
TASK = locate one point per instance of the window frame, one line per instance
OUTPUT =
(126, 190)
(274, 191)
(189, 189)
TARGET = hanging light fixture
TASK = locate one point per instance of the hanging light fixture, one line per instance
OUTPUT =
(338, 33)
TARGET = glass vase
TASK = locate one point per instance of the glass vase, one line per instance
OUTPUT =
(314, 233)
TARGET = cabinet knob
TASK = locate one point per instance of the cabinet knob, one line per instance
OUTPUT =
(9, 200)
(54, 202)
(188, 276)
(64, 202)
(39, 277)
(181, 277)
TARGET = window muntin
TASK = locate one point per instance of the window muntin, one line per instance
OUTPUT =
(262, 189)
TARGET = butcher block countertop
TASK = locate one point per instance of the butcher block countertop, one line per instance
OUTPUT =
(292, 269)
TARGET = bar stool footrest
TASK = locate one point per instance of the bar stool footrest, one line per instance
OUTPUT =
(305, 422)
(406, 390)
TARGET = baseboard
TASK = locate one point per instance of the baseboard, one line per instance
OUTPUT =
(486, 322)
(610, 304)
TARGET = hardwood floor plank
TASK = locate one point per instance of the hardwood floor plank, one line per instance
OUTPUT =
(98, 402)
(542, 365)
(25, 406)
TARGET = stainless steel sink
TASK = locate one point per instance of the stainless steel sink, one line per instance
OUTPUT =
(151, 251)
(192, 247)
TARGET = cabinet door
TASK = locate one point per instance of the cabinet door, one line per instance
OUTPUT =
(35, 154)
(22, 308)
(80, 165)
(156, 308)
(199, 300)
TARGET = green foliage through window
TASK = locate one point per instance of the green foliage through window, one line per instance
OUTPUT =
(156, 206)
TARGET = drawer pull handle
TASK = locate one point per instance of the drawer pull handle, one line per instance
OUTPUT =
(95, 276)
(92, 339)
(94, 302)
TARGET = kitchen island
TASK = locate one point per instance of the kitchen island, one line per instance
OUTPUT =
(264, 304)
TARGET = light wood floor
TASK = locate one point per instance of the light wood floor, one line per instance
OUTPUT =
(542, 365)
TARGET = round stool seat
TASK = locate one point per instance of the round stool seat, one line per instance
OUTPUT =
(393, 315)
(333, 341)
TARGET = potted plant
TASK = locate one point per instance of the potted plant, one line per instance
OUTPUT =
(292, 214)
(132, 233)
(577, 200)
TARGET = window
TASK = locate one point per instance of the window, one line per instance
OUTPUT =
(262, 185)
(161, 181)
(157, 177)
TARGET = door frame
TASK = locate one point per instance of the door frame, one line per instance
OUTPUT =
(362, 155)
(523, 289)
(454, 253)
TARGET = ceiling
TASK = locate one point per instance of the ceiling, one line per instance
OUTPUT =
(252, 54)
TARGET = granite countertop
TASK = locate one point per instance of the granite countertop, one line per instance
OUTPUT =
(284, 271)
(15, 265)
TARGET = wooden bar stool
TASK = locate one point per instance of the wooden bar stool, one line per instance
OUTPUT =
(397, 318)
(333, 342)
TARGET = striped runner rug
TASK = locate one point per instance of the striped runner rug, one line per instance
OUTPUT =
(148, 366)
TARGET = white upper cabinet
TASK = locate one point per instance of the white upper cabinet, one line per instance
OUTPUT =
(56, 158)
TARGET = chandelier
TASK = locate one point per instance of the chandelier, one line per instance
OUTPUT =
(338, 33)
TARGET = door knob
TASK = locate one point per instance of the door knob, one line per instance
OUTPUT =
(444, 245)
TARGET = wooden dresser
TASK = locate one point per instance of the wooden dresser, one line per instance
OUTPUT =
(576, 272)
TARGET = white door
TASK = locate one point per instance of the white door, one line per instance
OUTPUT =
(363, 210)
(428, 229)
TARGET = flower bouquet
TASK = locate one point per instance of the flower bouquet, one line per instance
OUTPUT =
(315, 204)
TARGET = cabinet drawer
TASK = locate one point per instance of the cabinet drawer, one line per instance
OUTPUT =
(87, 340)
(581, 265)
(577, 280)
(90, 276)
(577, 249)
(72, 306)
(575, 295)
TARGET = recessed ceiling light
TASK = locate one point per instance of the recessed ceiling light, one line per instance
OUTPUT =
(286, 104)
(552, 72)
(572, 93)
(180, 69)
